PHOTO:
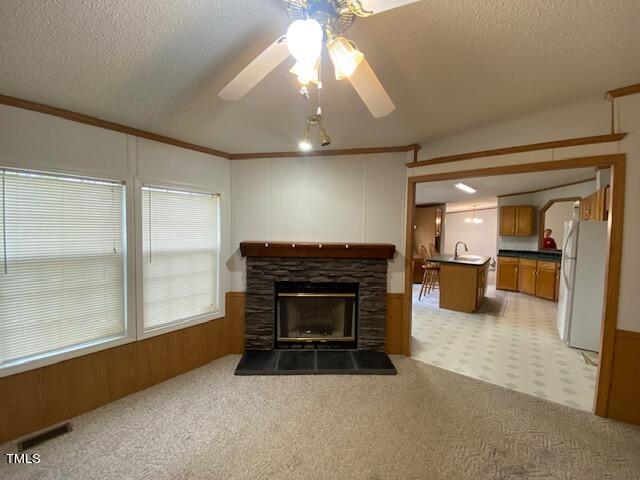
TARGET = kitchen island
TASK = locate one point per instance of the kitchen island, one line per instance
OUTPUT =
(463, 281)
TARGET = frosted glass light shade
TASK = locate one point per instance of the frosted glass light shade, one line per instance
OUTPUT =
(306, 73)
(345, 57)
(304, 40)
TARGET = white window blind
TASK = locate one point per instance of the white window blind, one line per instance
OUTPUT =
(180, 255)
(62, 271)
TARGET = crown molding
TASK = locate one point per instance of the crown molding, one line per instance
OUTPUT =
(326, 153)
(624, 91)
(578, 182)
(572, 142)
(117, 127)
(97, 122)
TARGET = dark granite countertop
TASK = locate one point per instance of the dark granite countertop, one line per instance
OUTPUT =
(553, 256)
(465, 259)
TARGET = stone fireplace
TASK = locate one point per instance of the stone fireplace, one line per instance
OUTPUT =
(315, 296)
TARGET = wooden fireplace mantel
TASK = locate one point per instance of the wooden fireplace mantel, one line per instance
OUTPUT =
(318, 250)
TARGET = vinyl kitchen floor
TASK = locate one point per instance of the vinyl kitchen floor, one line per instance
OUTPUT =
(511, 341)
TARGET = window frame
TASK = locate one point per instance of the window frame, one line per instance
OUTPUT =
(49, 358)
(139, 280)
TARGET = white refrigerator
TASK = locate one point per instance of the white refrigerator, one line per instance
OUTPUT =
(582, 274)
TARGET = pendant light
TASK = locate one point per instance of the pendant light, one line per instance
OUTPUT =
(475, 219)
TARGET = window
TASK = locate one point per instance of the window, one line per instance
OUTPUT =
(180, 246)
(62, 264)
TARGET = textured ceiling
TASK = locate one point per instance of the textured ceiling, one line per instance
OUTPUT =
(449, 66)
(446, 192)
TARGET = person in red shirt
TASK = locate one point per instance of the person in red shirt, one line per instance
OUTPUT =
(548, 242)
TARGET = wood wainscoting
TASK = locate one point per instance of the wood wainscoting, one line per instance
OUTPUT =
(395, 304)
(42, 397)
(624, 394)
(39, 398)
(235, 314)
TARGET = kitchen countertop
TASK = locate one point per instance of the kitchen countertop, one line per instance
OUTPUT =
(464, 259)
(553, 256)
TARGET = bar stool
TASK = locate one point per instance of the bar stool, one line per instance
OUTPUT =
(431, 276)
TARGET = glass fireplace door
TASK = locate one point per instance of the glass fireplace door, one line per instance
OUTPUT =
(315, 319)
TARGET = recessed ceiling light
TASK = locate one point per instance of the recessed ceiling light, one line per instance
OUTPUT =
(465, 188)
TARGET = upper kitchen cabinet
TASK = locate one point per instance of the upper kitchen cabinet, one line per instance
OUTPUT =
(595, 207)
(517, 220)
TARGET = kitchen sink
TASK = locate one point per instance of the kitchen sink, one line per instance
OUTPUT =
(468, 258)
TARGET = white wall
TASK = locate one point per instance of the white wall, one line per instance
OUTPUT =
(574, 120)
(554, 219)
(540, 199)
(481, 238)
(583, 119)
(349, 198)
(37, 141)
(629, 121)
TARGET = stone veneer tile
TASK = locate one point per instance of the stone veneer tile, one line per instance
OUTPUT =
(262, 273)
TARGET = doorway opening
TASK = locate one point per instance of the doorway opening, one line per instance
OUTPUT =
(523, 289)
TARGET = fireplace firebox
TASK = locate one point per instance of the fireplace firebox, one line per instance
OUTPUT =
(316, 315)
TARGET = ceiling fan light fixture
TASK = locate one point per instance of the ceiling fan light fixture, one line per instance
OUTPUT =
(345, 57)
(325, 140)
(306, 73)
(306, 145)
(304, 40)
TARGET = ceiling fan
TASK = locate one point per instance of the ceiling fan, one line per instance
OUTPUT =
(317, 24)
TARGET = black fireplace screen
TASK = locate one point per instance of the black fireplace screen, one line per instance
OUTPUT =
(316, 315)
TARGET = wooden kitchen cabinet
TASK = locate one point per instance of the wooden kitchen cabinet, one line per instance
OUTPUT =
(595, 207)
(527, 276)
(546, 280)
(508, 220)
(585, 208)
(533, 277)
(507, 274)
(462, 286)
(517, 220)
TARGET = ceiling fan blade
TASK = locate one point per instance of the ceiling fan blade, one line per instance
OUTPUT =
(259, 68)
(371, 91)
(379, 6)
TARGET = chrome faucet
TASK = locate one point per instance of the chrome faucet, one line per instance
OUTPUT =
(466, 249)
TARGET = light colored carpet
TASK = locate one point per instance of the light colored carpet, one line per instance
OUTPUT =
(424, 423)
